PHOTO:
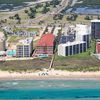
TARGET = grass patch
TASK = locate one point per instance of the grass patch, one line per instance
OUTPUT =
(82, 69)
(32, 29)
(14, 39)
(85, 55)
(25, 65)
(79, 62)
(27, 29)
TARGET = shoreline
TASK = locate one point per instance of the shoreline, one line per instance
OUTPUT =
(49, 78)
(49, 75)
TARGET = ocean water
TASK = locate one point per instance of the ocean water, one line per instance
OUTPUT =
(50, 90)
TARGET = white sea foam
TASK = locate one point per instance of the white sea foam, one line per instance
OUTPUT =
(14, 83)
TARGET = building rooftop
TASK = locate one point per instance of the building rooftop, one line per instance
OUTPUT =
(46, 40)
(25, 41)
(95, 20)
(68, 30)
(56, 30)
(78, 29)
(82, 29)
(49, 29)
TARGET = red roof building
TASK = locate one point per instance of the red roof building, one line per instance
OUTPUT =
(98, 48)
(46, 40)
(45, 45)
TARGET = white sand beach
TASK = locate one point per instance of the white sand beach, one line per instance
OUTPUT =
(51, 74)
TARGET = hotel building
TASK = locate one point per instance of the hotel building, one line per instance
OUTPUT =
(75, 43)
(71, 48)
(25, 47)
(45, 45)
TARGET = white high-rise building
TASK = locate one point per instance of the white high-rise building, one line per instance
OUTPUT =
(95, 29)
(79, 45)
(71, 48)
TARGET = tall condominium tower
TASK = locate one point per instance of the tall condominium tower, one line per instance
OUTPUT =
(95, 29)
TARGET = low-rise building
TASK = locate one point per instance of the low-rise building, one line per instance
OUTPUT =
(71, 48)
(25, 47)
(45, 45)
(25, 34)
(98, 46)
(11, 53)
(2, 42)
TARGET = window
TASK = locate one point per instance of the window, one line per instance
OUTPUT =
(66, 51)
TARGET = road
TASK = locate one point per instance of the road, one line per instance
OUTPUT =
(61, 6)
(36, 2)
(73, 2)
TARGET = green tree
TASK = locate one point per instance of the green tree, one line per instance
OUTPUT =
(45, 10)
(72, 17)
(58, 17)
(11, 17)
(88, 17)
(31, 15)
(17, 16)
(98, 17)
(26, 11)
(55, 2)
(38, 6)
(2, 21)
(33, 10)
(19, 21)
(47, 4)
(55, 17)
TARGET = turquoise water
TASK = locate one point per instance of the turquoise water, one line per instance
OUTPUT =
(50, 90)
